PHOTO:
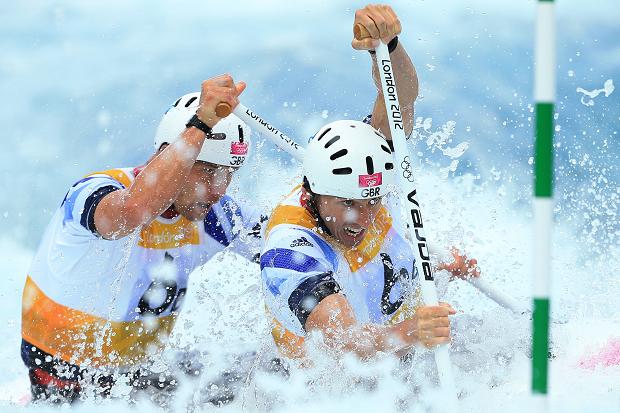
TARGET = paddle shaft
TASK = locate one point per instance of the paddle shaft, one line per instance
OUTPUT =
(413, 214)
(257, 123)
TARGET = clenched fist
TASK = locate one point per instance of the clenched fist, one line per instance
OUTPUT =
(219, 89)
(381, 23)
(429, 326)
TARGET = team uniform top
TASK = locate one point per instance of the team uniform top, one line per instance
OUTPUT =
(92, 301)
(300, 266)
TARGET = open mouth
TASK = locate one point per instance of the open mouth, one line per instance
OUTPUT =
(353, 231)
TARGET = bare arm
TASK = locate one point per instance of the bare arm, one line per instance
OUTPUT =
(334, 317)
(382, 23)
(155, 189)
(406, 86)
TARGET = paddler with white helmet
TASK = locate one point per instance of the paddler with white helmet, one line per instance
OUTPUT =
(109, 278)
(333, 262)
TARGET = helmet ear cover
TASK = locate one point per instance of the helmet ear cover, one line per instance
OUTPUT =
(311, 206)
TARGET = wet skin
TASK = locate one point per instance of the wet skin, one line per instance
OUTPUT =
(348, 220)
(205, 185)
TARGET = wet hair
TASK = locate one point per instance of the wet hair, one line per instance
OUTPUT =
(313, 208)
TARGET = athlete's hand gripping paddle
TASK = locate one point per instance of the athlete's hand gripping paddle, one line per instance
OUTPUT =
(411, 206)
(222, 109)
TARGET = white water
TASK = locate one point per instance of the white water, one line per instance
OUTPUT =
(588, 95)
(223, 314)
(474, 61)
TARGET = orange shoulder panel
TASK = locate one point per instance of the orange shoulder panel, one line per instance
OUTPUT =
(118, 174)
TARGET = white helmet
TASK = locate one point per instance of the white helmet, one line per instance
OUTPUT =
(230, 141)
(349, 159)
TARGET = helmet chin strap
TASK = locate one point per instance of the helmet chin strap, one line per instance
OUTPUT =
(313, 209)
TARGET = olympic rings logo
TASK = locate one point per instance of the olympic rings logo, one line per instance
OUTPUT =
(407, 172)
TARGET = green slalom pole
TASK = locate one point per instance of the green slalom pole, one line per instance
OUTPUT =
(544, 93)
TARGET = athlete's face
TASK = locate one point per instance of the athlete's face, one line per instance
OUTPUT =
(205, 185)
(348, 219)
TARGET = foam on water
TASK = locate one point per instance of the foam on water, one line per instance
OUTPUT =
(470, 73)
(224, 322)
(224, 316)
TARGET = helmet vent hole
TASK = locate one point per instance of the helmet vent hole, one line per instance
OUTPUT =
(389, 166)
(323, 134)
(386, 149)
(339, 154)
(342, 171)
(370, 167)
(332, 141)
(177, 102)
(352, 126)
(216, 136)
(189, 102)
(240, 133)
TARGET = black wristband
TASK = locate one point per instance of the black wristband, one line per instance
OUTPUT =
(198, 124)
(391, 45)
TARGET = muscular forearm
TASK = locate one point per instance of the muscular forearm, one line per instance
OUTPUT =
(335, 319)
(366, 340)
(153, 190)
(406, 79)
(159, 183)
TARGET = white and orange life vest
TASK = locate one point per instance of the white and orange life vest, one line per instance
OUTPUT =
(378, 276)
(97, 302)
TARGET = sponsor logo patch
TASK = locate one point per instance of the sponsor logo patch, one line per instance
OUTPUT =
(238, 148)
(366, 181)
(301, 242)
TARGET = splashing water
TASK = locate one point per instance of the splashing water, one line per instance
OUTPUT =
(588, 96)
(439, 140)
(225, 327)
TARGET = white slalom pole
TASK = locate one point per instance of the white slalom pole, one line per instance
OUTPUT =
(544, 93)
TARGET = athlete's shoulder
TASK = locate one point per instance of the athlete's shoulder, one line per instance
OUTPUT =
(83, 196)
(229, 216)
(290, 211)
(124, 176)
(297, 248)
(119, 177)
